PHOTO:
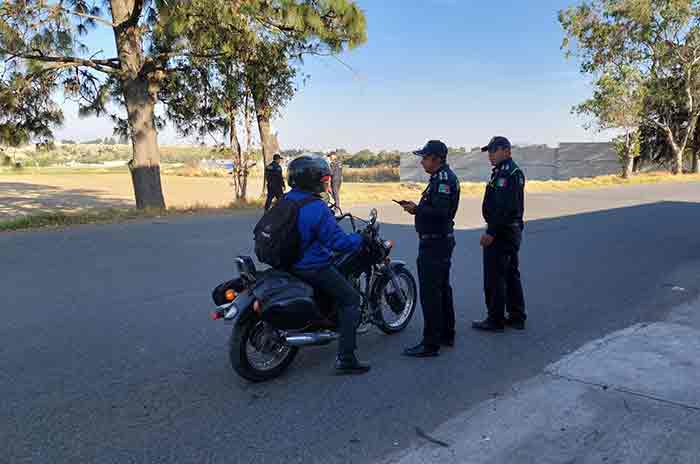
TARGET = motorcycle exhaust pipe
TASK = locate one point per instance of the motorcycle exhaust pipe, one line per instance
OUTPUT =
(311, 338)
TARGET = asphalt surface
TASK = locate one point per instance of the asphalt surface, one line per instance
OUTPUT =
(107, 354)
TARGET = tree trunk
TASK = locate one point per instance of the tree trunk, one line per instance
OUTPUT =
(140, 89)
(676, 150)
(266, 138)
(677, 160)
(628, 159)
(696, 163)
(145, 166)
(628, 167)
(240, 171)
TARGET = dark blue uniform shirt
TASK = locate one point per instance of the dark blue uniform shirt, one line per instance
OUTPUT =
(504, 200)
(438, 205)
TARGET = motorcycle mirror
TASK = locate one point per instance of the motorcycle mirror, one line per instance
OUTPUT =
(373, 216)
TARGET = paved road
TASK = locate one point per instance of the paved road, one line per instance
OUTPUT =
(107, 354)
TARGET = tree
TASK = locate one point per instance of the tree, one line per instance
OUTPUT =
(617, 103)
(27, 109)
(270, 81)
(695, 152)
(152, 38)
(660, 39)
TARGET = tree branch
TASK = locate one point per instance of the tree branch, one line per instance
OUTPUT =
(91, 17)
(108, 66)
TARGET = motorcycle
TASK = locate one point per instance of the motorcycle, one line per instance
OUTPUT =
(261, 348)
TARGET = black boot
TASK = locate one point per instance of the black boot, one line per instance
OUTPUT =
(518, 324)
(350, 365)
(488, 325)
(422, 350)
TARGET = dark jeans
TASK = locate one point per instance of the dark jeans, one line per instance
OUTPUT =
(434, 262)
(502, 286)
(330, 281)
(276, 194)
(335, 192)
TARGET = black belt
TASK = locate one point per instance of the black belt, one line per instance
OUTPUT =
(434, 236)
(515, 224)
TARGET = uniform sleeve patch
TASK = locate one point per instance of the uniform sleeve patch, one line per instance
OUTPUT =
(444, 188)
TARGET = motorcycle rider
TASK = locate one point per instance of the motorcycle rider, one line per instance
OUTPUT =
(320, 234)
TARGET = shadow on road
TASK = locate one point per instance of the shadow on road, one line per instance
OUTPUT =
(128, 353)
(20, 198)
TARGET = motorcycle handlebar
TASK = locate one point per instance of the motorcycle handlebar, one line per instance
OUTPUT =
(352, 220)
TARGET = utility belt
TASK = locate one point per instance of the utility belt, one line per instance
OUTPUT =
(435, 236)
(516, 225)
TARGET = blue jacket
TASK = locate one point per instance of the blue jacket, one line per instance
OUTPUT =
(320, 234)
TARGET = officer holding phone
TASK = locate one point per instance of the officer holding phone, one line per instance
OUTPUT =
(434, 219)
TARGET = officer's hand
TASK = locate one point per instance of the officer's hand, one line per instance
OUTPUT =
(410, 207)
(486, 240)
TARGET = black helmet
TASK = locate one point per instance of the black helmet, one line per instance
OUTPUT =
(307, 173)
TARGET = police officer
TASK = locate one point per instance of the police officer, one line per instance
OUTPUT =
(435, 226)
(275, 181)
(336, 177)
(503, 208)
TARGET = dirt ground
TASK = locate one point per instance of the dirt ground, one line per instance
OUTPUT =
(33, 193)
(29, 192)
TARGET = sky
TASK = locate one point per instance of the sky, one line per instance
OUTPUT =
(456, 70)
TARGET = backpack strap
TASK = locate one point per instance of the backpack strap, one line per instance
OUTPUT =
(301, 203)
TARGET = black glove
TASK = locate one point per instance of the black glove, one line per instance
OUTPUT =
(366, 237)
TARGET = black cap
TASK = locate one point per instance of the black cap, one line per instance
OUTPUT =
(277, 156)
(432, 148)
(496, 143)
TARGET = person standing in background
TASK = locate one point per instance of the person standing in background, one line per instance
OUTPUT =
(275, 181)
(336, 177)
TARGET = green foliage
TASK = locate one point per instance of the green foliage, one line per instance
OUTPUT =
(627, 145)
(366, 159)
(48, 43)
(28, 111)
(617, 101)
(645, 55)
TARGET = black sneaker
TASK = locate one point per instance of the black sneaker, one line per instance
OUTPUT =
(517, 324)
(447, 341)
(350, 365)
(422, 351)
(488, 325)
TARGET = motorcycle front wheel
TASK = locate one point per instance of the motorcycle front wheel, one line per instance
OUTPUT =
(257, 352)
(393, 314)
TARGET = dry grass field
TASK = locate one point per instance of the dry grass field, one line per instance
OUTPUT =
(50, 191)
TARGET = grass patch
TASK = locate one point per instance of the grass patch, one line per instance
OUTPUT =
(607, 181)
(114, 215)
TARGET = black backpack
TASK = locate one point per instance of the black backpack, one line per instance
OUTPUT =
(277, 240)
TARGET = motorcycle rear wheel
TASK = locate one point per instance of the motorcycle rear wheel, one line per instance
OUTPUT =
(255, 358)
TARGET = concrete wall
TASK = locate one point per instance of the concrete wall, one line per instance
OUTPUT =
(539, 162)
